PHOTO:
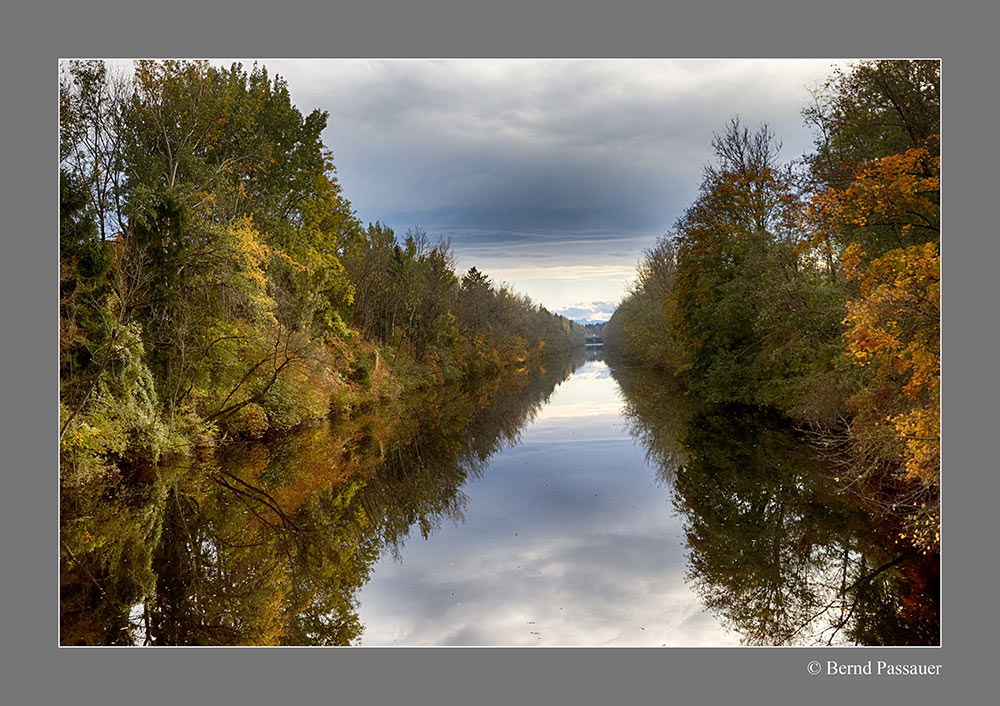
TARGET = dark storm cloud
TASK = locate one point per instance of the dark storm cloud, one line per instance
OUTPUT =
(521, 218)
(630, 136)
(541, 160)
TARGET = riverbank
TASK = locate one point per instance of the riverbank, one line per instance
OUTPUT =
(272, 512)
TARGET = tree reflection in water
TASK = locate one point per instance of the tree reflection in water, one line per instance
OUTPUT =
(268, 543)
(776, 549)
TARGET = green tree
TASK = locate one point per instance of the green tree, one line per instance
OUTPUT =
(754, 321)
(872, 109)
(636, 329)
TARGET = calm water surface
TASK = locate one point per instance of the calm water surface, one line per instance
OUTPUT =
(579, 505)
(568, 538)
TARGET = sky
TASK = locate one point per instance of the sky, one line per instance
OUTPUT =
(550, 175)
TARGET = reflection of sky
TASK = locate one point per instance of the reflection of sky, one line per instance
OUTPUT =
(567, 540)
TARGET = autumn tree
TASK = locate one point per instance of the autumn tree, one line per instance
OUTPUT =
(753, 321)
(893, 327)
(879, 211)
(872, 109)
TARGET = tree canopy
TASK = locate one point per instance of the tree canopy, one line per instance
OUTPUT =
(813, 288)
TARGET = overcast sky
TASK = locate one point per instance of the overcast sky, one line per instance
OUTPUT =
(551, 175)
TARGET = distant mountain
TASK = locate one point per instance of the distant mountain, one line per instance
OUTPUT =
(589, 313)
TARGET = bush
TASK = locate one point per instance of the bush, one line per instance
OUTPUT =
(249, 421)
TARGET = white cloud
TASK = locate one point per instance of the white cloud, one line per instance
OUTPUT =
(567, 540)
(594, 311)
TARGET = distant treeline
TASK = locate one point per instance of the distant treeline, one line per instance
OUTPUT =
(813, 287)
(215, 282)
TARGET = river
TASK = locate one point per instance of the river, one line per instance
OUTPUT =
(567, 538)
(582, 505)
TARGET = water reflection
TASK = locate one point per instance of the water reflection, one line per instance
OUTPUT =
(776, 550)
(568, 539)
(582, 505)
(269, 543)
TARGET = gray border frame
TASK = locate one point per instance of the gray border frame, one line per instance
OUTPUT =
(36, 36)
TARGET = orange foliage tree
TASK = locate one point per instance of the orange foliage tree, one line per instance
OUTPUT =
(886, 224)
(892, 202)
(895, 326)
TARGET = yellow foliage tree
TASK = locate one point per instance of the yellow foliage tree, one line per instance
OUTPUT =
(895, 327)
(886, 224)
(892, 203)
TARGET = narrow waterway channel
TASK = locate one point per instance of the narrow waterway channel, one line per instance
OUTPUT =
(566, 538)
(582, 505)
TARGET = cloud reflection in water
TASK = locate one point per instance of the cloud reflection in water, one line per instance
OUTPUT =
(567, 540)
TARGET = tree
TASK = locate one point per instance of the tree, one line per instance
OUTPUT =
(93, 105)
(636, 328)
(475, 280)
(751, 318)
(873, 109)
(876, 204)
(892, 202)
